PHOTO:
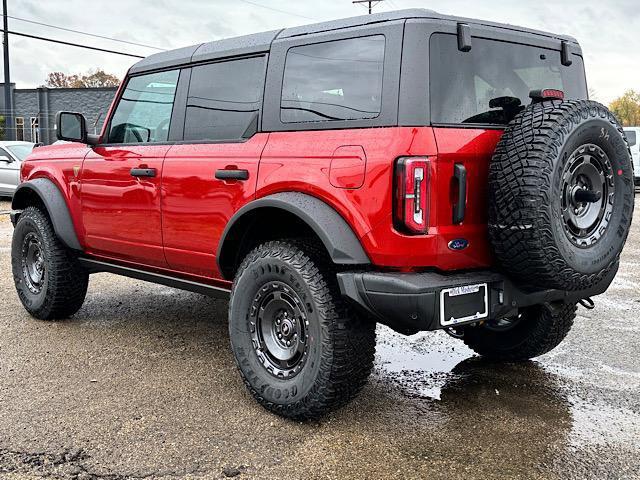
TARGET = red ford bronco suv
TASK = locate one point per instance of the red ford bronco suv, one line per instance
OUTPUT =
(408, 168)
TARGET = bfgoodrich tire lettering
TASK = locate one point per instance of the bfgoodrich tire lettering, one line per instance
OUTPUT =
(50, 282)
(532, 235)
(339, 354)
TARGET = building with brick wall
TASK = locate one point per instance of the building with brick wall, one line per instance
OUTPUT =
(35, 109)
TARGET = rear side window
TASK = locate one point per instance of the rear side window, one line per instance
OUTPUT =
(338, 80)
(144, 111)
(224, 100)
(464, 83)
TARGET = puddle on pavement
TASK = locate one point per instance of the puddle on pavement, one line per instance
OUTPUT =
(420, 364)
(441, 371)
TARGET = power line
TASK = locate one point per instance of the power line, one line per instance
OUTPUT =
(276, 9)
(61, 42)
(84, 33)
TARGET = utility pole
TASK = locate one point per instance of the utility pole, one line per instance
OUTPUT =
(8, 104)
(372, 3)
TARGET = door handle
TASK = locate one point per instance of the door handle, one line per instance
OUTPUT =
(143, 172)
(460, 174)
(232, 174)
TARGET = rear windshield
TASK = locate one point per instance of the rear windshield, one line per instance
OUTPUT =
(464, 83)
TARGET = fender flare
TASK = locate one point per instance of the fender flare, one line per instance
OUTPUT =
(56, 205)
(340, 241)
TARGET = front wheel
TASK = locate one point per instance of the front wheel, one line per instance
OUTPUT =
(535, 331)
(49, 280)
(300, 351)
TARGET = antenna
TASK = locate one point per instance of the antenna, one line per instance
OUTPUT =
(372, 3)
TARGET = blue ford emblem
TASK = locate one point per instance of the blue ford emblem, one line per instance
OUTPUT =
(458, 244)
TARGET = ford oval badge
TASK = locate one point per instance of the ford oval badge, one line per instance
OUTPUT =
(458, 244)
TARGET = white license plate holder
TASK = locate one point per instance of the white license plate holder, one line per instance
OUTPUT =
(463, 304)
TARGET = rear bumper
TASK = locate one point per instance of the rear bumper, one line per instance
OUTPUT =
(410, 302)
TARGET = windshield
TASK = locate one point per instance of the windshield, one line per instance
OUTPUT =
(20, 151)
(491, 83)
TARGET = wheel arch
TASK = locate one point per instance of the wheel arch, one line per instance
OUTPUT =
(43, 192)
(285, 214)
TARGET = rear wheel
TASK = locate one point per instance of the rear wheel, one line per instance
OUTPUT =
(300, 351)
(50, 282)
(535, 331)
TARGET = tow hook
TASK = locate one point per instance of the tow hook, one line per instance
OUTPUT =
(587, 303)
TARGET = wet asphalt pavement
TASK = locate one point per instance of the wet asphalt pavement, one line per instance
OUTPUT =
(141, 384)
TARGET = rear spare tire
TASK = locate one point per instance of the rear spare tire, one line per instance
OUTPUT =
(560, 195)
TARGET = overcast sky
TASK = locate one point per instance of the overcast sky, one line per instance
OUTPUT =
(608, 30)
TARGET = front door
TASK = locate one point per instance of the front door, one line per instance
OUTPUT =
(120, 180)
(213, 173)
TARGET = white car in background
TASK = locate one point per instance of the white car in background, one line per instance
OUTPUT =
(633, 137)
(11, 156)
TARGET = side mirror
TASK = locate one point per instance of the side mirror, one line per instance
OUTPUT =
(72, 127)
(4, 158)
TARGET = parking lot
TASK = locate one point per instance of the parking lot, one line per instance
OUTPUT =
(141, 384)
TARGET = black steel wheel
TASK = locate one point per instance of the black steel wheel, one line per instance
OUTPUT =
(33, 263)
(50, 282)
(300, 350)
(588, 192)
(279, 329)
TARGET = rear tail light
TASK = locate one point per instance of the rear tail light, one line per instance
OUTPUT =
(411, 194)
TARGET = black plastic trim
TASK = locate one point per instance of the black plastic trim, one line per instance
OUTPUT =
(95, 266)
(464, 37)
(341, 242)
(410, 302)
(459, 209)
(566, 53)
(56, 206)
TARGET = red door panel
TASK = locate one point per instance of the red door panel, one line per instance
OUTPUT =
(196, 206)
(120, 212)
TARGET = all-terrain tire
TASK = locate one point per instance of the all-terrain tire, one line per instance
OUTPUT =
(535, 219)
(538, 330)
(340, 346)
(63, 282)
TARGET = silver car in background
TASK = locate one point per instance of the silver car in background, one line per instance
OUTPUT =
(11, 156)
(633, 137)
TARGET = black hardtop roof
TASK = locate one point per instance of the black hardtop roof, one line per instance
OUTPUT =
(259, 42)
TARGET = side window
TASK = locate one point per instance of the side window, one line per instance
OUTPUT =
(224, 100)
(143, 114)
(338, 80)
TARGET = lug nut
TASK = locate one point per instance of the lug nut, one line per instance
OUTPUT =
(288, 343)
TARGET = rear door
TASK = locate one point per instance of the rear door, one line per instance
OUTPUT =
(120, 179)
(212, 173)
